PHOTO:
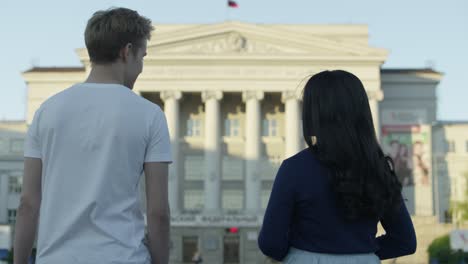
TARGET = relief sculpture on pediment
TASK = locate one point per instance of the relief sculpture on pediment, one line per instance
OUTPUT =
(233, 42)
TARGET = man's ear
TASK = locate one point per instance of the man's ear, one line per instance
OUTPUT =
(125, 52)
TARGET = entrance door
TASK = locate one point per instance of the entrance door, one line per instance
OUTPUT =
(189, 247)
(231, 249)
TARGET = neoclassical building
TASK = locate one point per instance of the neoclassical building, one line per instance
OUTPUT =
(12, 134)
(231, 93)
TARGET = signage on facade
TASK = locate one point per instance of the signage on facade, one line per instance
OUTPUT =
(404, 117)
(216, 221)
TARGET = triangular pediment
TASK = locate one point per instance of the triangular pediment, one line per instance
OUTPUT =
(241, 38)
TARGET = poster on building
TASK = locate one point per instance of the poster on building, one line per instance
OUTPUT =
(409, 147)
(406, 138)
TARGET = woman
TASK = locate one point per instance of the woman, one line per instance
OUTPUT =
(327, 200)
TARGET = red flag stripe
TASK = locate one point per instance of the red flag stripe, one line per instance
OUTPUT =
(233, 4)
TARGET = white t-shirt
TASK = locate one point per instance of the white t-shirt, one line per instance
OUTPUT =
(93, 140)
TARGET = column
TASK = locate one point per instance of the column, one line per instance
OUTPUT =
(374, 97)
(253, 150)
(3, 197)
(171, 109)
(292, 123)
(213, 153)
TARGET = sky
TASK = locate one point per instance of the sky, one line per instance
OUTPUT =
(417, 33)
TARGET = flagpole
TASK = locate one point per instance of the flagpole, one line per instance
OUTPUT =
(230, 4)
(226, 18)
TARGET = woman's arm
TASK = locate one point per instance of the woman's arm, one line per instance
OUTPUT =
(400, 237)
(273, 239)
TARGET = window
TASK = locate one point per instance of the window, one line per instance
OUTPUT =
(193, 128)
(193, 200)
(189, 248)
(450, 145)
(11, 216)
(265, 196)
(17, 145)
(270, 166)
(231, 127)
(15, 184)
(233, 199)
(233, 168)
(448, 216)
(194, 167)
(3, 145)
(270, 128)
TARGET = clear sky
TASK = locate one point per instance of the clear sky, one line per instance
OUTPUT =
(417, 33)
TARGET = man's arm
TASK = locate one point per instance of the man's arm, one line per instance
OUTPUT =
(28, 210)
(157, 211)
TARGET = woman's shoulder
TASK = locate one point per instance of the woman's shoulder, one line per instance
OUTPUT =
(303, 170)
(303, 157)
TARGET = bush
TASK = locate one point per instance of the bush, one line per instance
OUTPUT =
(440, 250)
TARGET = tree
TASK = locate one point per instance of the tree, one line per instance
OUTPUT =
(459, 209)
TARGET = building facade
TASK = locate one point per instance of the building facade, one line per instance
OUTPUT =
(450, 163)
(231, 93)
(12, 134)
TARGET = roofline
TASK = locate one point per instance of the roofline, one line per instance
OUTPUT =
(410, 70)
(56, 69)
(6, 121)
(81, 69)
(450, 122)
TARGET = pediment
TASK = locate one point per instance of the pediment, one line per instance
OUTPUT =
(241, 38)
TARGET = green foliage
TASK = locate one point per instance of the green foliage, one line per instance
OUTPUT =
(440, 250)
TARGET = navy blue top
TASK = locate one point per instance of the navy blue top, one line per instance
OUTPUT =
(302, 213)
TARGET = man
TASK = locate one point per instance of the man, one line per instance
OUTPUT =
(85, 151)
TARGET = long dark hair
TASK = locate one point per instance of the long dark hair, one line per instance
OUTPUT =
(336, 110)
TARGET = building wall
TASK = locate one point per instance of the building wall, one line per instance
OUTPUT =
(451, 161)
(12, 134)
(411, 91)
(11, 167)
(406, 116)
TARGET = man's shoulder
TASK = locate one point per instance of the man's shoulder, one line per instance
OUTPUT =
(125, 95)
(147, 105)
(58, 96)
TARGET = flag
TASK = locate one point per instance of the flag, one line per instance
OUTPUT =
(233, 4)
